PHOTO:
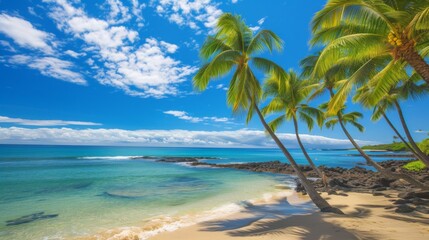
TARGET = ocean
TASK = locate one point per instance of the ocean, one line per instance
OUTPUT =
(85, 192)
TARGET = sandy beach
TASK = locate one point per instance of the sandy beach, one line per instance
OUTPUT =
(366, 217)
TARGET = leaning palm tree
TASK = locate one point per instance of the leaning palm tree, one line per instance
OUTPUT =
(342, 119)
(289, 102)
(408, 88)
(234, 48)
(392, 32)
(327, 84)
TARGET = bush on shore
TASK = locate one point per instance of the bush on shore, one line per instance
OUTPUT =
(415, 166)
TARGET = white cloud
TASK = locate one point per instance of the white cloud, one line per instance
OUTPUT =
(185, 116)
(7, 46)
(50, 66)
(146, 70)
(137, 9)
(74, 54)
(421, 131)
(195, 14)
(25, 34)
(234, 1)
(222, 86)
(118, 12)
(236, 138)
(260, 22)
(28, 122)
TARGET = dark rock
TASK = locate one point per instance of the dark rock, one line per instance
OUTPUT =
(385, 182)
(377, 193)
(404, 209)
(422, 209)
(419, 201)
(422, 194)
(338, 182)
(402, 201)
(406, 195)
(375, 186)
(331, 191)
(356, 179)
(389, 207)
(30, 218)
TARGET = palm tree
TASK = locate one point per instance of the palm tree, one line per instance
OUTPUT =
(327, 84)
(369, 34)
(234, 48)
(289, 103)
(409, 88)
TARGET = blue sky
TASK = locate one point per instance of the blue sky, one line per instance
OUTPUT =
(119, 72)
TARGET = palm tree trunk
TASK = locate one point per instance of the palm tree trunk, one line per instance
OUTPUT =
(321, 203)
(295, 123)
(416, 61)
(425, 158)
(401, 137)
(377, 166)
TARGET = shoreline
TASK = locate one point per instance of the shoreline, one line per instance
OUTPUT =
(170, 223)
(265, 217)
(365, 215)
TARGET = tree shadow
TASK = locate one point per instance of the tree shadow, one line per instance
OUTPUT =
(413, 218)
(282, 217)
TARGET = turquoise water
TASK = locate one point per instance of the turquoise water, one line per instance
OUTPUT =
(84, 191)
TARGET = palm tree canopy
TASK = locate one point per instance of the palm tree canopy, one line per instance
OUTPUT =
(363, 41)
(289, 101)
(347, 118)
(409, 88)
(234, 48)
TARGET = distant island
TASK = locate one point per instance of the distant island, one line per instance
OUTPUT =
(397, 147)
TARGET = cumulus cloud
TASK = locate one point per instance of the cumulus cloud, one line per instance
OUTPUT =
(50, 66)
(145, 70)
(185, 116)
(195, 14)
(24, 33)
(236, 138)
(29, 122)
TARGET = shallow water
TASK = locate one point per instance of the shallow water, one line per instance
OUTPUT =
(93, 189)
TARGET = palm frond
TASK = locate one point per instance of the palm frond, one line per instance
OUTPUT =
(264, 39)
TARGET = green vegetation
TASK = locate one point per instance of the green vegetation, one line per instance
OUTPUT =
(398, 146)
(415, 166)
(424, 146)
(395, 147)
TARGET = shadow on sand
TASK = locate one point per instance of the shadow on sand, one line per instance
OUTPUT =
(282, 218)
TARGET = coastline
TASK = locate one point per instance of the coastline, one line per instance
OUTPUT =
(297, 203)
(289, 214)
(365, 215)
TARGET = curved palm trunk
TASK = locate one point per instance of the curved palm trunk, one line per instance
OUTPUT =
(310, 161)
(321, 203)
(416, 61)
(401, 137)
(377, 166)
(425, 158)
